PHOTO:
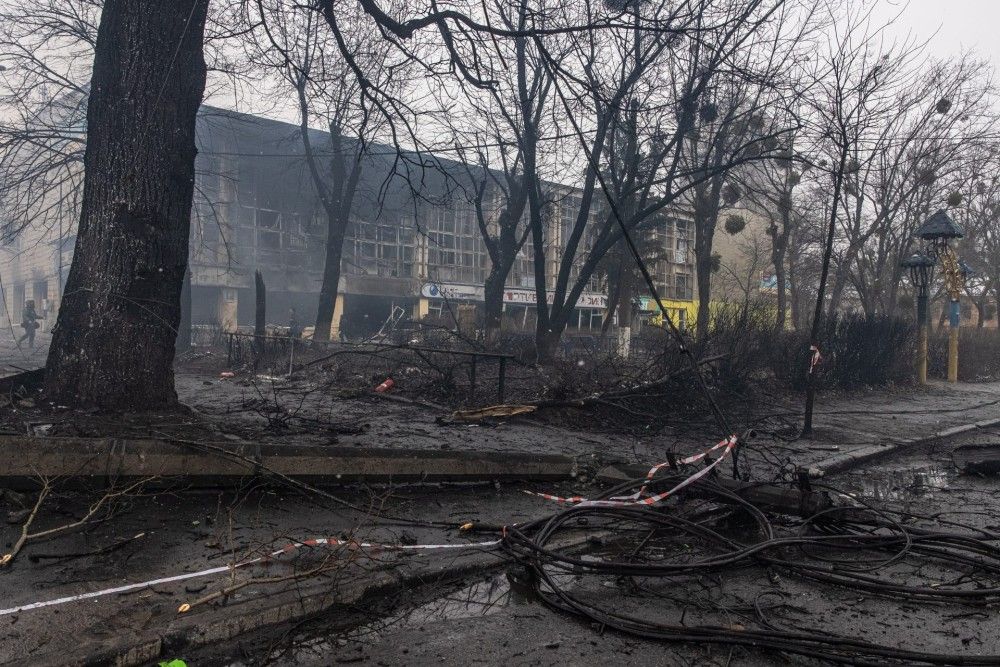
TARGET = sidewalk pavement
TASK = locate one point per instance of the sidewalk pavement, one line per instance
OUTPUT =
(848, 429)
(864, 428)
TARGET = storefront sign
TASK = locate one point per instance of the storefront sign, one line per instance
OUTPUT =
(458, 292)
(527, 297)
(452, 291)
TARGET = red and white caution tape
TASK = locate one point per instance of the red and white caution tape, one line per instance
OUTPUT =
(635, 500)
(372, 549)
(694, 458)
(323, 541)
(814, 359)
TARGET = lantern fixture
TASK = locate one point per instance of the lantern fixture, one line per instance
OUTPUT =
(921, 268)
(938, 231)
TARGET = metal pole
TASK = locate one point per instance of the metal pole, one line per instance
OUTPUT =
(922, 315)
(954, 322)
(472, 375)
(503, 377)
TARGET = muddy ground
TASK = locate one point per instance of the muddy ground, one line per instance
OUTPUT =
(474, 616)
(484, 621)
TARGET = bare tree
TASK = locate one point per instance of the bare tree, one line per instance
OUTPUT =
(499, 134)
(976, 206)
(46, 52)
(113, 344)
(915, 133)
(855, 81)
(596, 85)
(745, 116)
(293, 40)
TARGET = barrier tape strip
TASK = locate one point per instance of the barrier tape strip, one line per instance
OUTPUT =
(815, 359)
(726, 445)
(694, 458)
(323, 541)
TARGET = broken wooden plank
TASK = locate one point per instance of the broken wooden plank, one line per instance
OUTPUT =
(981, 459)
(24, 457)
(25, 381)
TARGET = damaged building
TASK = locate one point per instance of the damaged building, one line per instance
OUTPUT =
(413, 246)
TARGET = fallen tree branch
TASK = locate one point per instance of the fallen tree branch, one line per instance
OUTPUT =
(606, 398)
(26, 537)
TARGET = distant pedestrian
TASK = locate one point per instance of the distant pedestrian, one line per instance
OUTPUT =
(294, 328)
(29, 322)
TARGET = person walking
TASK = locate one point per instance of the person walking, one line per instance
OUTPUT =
(29, 322)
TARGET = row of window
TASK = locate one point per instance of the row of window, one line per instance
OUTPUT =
(449, 236)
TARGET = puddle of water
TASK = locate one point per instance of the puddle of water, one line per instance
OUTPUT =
(479, 599)
(900, 485)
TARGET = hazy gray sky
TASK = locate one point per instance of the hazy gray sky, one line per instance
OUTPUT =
(959, 24)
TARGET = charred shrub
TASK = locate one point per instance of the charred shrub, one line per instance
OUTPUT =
(978, 354)
(869, 351)
(858, 351)
(737, 336)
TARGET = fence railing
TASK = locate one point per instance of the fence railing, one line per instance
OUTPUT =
(267, 350)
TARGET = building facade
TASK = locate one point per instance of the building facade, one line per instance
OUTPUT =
(413, 244)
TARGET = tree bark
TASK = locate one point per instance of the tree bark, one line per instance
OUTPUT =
(260, 301)
(184, 328)
(493, 288)
(779, 249)
(114, 341)
(779, 275)
(706, 217)
(336, 230)
(625, 310)
(704, 271)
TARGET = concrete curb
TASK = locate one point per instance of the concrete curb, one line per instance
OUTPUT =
(847, 460)
(212, 464)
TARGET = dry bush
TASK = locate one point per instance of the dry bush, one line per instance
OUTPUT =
(978, 355)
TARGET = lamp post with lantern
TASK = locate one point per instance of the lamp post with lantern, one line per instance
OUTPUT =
(921, 269)
(937, 234)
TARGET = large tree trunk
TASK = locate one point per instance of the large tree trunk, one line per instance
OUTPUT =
(625, 310)
(184, 328)
(704, 271)
(493, 289)
(703, 242)
(706, 217)
(779, 275)
(336, 230)
(114, 341)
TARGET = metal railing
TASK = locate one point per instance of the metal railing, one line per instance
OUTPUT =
(263, 350)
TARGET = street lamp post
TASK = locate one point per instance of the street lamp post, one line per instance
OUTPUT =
(937, 233)
(921, 274)
(956, 273)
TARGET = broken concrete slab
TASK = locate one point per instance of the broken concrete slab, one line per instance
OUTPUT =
(23, 458)
(980, 459)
